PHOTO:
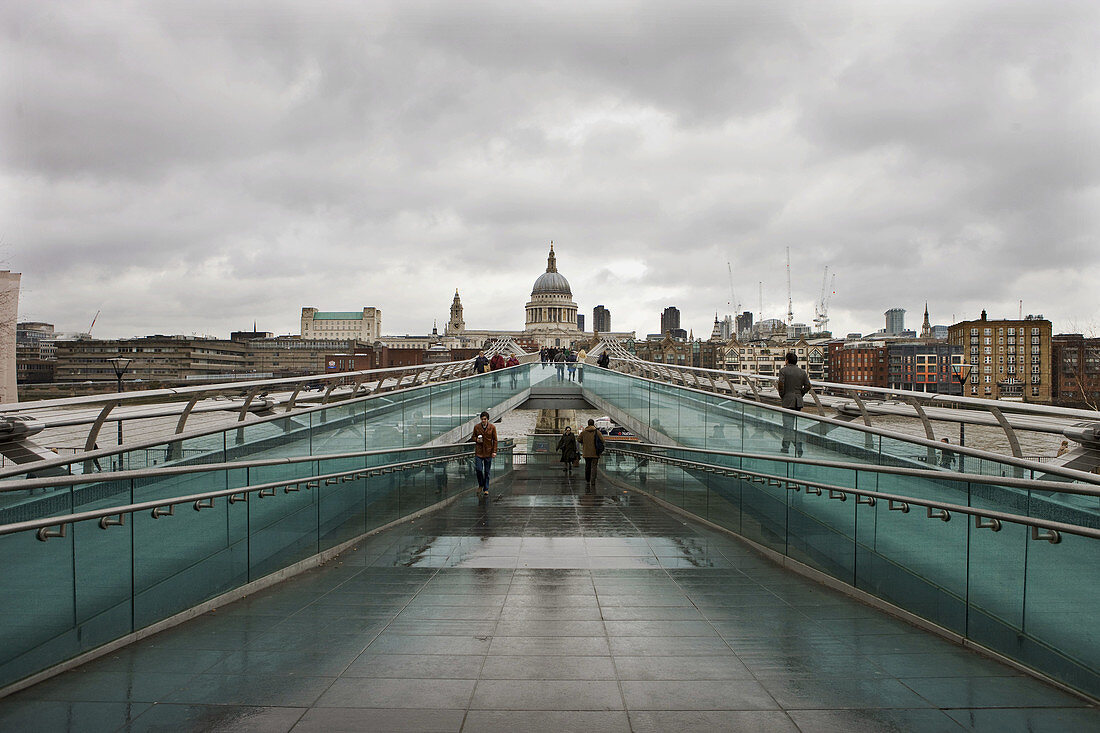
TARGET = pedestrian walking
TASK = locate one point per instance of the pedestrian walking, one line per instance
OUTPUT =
(559, 363)
(592, 446)
(947, 458)
(496, 364)
(604, 360)
(513, 373)
(793, 384)
(571, 362)
(567, 447)
(481, 363)
(484, 439)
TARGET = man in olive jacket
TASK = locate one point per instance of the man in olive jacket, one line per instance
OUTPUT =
(485, 450)
(793, 384)
(591, 449)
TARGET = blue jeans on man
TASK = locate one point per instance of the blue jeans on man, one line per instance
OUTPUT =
(481, 468)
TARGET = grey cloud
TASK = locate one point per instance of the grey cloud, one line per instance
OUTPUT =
(215, 163)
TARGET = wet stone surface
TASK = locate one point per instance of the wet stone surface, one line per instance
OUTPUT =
(546, 608)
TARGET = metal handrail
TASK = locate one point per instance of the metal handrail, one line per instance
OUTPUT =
(21, 407)
(167, 471)
(1022, 407)
(90, 455)
(899, 502)
(912, 398)
(966, 450)
(1056, 487)
(42, 525)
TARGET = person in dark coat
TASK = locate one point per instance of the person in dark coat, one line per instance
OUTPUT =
(567, 446)
(591, 448)
(481, 364)
(604, 360)
(792, 385)
(559, 362)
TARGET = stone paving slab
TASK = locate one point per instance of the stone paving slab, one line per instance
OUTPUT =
(548, 610)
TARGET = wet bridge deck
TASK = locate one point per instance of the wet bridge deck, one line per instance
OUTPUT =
(546, 609)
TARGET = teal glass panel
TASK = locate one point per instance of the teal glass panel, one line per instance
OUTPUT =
(185, 558)
(996, 577)
(911, 560)
(338, 429)
(38, 603)
(763, 506)
(271, 439)
(198, 450)
(1060, 631)
(104, 580)
(722, 424)
(724, 502)
(340, 511)
(381, 500)
(282, 527)
(416, 410)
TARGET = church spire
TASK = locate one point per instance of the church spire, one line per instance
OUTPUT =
(551, 261)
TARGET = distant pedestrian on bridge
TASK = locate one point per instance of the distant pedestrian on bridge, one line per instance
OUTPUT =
(604, 360)
(481, 363)
(513, 373)
(559, 363)
(947, 458)
(571, 361)
(793, 384)
(496, 364)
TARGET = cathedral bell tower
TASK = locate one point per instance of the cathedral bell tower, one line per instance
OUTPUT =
(455, 325)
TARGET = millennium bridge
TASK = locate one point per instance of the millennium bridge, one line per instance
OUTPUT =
(309, 554)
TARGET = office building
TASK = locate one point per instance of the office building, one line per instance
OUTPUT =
(670, 319)
(601, 319)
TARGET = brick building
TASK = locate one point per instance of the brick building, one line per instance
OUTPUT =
(859, 362)
(1075, 371)
(1011, 359)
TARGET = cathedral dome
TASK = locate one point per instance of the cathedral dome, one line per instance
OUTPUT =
(551, 282)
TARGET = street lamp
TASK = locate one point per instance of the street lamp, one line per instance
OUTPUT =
(961, 372)
(121, 365)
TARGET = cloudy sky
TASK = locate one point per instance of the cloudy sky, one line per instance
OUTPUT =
(193, 167)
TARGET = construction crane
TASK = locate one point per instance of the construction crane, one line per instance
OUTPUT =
(821, 310)
(790, 302)
(734, 303)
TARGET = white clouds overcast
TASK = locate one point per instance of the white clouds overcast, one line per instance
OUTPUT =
(192, 167)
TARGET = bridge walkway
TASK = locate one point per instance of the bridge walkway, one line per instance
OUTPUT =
(552, 609)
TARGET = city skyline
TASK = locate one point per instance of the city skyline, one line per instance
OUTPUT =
(198, 170)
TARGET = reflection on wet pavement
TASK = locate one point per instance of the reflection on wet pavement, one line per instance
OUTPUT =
(545, 609)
